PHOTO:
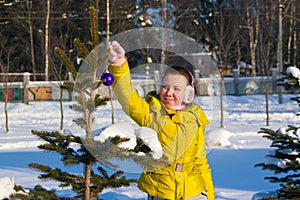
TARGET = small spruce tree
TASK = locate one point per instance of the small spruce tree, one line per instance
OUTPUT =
(86, 151)
(73, 151)
(284, 160)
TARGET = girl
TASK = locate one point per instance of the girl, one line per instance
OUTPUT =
(179, 124)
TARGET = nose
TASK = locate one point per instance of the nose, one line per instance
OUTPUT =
(169, 92)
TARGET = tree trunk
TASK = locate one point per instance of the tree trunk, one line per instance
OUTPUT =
(87, 195)
(107, 39)
(47, 42)
(107, 20)
(29, 10)
(6, 113)
(163, 20)
(294, 56)
(221, 102)
(267, 101)
(238, 56)
(253, 38)
(295, 49)
(5, 91)
(61, 109)
(5, 103)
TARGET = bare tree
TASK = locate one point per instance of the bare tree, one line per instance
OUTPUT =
(47, 41)
(30, 27)
(26, 22)
(5, 70)
(292, 37)
(222, 35)
(252, 24)
(5, 92)
(265, 53)
(163, 19)
(270, 53)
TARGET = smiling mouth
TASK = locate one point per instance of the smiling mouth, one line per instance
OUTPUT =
(169, 100)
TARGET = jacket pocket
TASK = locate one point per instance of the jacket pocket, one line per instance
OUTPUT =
(195, 183)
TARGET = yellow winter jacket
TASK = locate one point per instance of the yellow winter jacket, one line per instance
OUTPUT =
(181, 134)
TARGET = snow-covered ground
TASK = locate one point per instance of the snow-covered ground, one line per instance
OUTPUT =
(232, 163)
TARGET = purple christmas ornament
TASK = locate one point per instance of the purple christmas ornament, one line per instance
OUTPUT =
(109, 79)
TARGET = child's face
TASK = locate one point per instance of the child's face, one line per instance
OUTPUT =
(172, 90)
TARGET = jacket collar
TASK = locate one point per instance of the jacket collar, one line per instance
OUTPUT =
(155, 104)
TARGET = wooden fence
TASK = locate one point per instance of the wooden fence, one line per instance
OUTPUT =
(28, 90)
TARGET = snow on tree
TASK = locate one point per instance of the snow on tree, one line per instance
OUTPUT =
(284, 159)
(290, 78)
(124, 130)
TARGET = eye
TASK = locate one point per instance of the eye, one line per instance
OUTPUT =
(177, 89)
(164, 86)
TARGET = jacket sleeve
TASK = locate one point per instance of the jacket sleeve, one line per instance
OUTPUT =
(207, 177)
(133, 105)
(202, 164)
(201, 159)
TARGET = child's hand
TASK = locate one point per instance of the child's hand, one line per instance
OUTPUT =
(116, 53)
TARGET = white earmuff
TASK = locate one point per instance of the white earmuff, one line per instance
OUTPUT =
(189, 94)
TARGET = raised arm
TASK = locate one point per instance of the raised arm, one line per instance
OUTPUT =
(134, 105)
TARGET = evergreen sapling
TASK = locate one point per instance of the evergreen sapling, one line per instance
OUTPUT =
(284, 159)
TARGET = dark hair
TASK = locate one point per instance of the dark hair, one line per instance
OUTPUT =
(175, 69)
(181, 70)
